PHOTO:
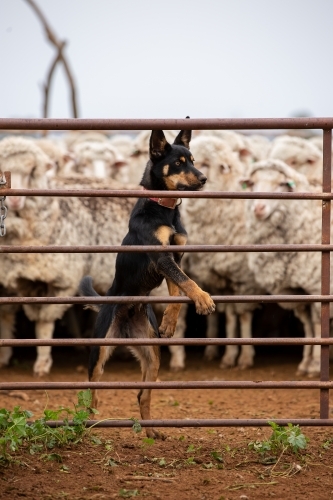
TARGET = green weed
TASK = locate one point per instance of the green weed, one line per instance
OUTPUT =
(288, 438)
(16, 431)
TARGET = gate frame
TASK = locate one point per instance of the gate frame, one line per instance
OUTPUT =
(324, 385)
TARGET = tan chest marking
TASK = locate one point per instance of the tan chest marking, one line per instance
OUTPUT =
(179, 239)
(166, 235)
(163, 234)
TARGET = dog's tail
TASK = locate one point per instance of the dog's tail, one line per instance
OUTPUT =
(86, 289)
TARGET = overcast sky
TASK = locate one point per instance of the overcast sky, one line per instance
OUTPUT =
(171, 58)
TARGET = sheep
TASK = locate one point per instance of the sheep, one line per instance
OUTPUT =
(100, 160)
(76, 137)
(282, 222)
(95, 156)
(258, 147)
(63, 160)
(249, 148)
(7, 327)
(221, 222)
(45, 221)
(123, 143)
(300, 154)
(317, 140)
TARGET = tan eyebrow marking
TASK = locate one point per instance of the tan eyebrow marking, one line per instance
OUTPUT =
(182, 159)
(191, 158)
(165, 170)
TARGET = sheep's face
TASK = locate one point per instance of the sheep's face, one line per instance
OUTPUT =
(271, 181)
(215, 159)
(22, 167)
(215, 169)
(298, 153)
(99, 160)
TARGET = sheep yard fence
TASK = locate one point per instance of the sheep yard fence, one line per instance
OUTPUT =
(323, 385)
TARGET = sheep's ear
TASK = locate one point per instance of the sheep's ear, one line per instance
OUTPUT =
(158, 145)
(246, 183)
(50, 164)
(244, 154)
(183, 138)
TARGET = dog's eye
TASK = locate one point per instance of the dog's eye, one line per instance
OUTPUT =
(177, 163)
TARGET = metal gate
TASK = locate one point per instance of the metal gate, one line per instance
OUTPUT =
(324, 385)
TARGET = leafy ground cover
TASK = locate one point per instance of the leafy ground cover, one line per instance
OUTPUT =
(224, 463)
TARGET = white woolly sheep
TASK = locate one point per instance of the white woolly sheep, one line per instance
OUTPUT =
(220, 222)
(62, 160)
(7, 327)
(282, 222)
(123, 143)
(75, 137)
(64, 221)
(248, 148)
(99, 160)
(300, 154)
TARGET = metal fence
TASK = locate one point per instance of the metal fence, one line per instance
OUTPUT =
(324, 385)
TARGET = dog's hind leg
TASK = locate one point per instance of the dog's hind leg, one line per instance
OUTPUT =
(144, 325)
(97, 359)
(150, 362)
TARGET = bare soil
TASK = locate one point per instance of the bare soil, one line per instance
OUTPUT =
(182, 466)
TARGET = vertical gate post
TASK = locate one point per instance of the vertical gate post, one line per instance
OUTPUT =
(325, 271)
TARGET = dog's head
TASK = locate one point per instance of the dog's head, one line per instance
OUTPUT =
(171, 165)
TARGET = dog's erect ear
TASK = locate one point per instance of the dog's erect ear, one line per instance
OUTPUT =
(158, 145)
(184, 138)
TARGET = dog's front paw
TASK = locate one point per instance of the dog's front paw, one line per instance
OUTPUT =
(167, 327)
(204, 303)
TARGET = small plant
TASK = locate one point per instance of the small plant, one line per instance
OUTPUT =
(136, 427)
(193, 449)
(217, 456)
(16, 431)
(123, 493)
(148, 441)
(283, 439)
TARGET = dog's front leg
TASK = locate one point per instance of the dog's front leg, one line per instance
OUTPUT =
(202, 300)
(171, 313)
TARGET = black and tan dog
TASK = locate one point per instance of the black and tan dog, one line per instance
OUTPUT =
(154, 221)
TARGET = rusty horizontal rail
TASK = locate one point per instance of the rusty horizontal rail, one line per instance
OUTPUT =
(231, 299)
(139, 193)
(165, 124)
(197, 384)
(165, 342)
(166, 248)
(255, 422)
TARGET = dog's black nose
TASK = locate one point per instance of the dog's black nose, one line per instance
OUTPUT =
(203, 179)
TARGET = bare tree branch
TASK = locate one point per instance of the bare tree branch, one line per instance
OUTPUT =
(60, 57)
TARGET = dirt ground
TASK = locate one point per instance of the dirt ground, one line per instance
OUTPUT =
(189, 463)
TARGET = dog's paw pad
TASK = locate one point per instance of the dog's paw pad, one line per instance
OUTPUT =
(167, 329)
(204, 304)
